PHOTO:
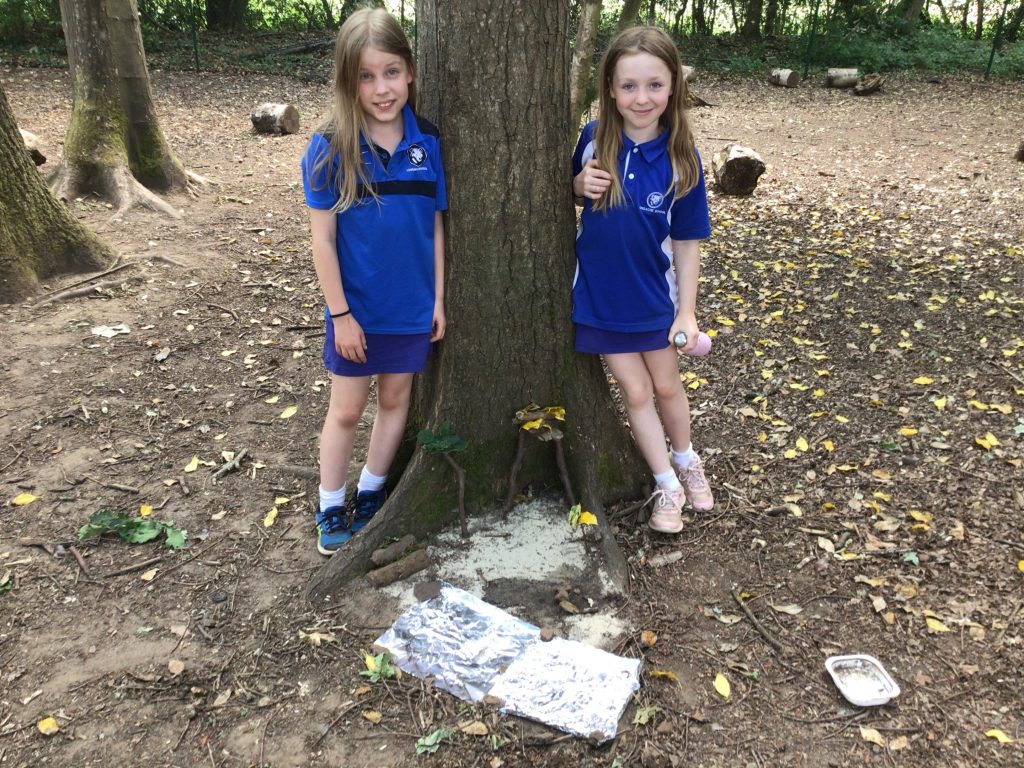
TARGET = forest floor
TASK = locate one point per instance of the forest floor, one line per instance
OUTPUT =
(861, 416)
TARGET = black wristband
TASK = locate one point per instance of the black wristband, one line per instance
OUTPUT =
(342, 314)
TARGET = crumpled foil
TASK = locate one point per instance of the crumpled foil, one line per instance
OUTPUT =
(472, 648)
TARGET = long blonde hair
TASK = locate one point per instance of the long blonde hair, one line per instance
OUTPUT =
(608, 140)
(365, 28)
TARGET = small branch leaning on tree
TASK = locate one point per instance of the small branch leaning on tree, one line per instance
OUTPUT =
(445, 442)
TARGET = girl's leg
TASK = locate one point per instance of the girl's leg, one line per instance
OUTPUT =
(674, 406)
(348, 401)
(393, 393)
(637, 388)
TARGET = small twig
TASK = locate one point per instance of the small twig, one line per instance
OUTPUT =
(563, 471)
(81, 561)
(176, 566)
(83, 290)
(307, 473)
(1007, 371)
(756, 624)
(1009, 621)
(114, 486)
(231, 465)
(89, 279)
(133, 568)
(516, 464)
(346, 708)
(460, 477)
(224, 309)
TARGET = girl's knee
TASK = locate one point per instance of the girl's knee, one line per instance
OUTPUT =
(638, 395)
(342, 417)
(671, 388)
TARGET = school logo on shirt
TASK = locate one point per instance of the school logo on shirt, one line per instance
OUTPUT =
(417, 155)
(655, 199)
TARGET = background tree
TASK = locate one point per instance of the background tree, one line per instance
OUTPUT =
(38, 237)
(581, 76)
(227, 15)
(510, 263)
(114, 144)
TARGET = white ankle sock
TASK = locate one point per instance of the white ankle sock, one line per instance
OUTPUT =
(371, 482)
(667, 481)
(684, 458)
(330, 499)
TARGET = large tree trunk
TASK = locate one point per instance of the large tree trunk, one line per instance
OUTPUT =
(510, 263)
(226, 15)
(752, 19)
(38, 237)
(1013, 25)
(579, 79)
(113, 145)
(912, 14)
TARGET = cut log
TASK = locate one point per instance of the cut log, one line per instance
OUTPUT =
(841, 78)
(387, 555)
(868, 84)
(785, 77)
(275, 118)
(1020, 152)
(33, 147)
(689, 74)
(402, 569)
(737, 169)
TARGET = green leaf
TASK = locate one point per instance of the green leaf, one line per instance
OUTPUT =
(175, 537)
(141, 532)
(911, 557)
(429, 744)
(891, 446)
(644, 715)
(442, 441)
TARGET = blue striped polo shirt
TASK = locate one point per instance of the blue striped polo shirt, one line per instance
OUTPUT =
(386, 246)
(624, 279)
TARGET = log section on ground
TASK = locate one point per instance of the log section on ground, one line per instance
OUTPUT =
(737, 169)
(275, 118)
(841, 78)
(784, 77)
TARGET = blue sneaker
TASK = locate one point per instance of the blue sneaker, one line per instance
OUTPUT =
(332, 529)
(367, 504)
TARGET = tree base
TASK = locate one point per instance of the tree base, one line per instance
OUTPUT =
(113, 184)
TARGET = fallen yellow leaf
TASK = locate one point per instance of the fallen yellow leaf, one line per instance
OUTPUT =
(923, 380)
(288, 412)
(648, 638)
(992, 733)
(47, 726)
(193, 465)
(801, 444)
(722, 686)
(272, 400)
(149, 575)
(870, 734)
(22, 499)
(145, 510)
(373, 716)
(936, 626)
(587, 518)
(939, 402)
(270, 518)
(663, 673)
(908, 431)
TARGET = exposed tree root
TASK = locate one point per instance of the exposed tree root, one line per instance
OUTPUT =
(83, 290)
(115, 185)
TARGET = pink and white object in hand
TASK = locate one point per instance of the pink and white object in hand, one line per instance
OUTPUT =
(703, 343)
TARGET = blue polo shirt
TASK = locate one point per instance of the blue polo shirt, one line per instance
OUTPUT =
(624, 277)
(386, 246)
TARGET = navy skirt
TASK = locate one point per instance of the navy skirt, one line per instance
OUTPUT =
(595, 341)
(385, 353)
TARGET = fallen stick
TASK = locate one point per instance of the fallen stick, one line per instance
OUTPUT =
(133, 568)
(114, 486)
(399, 570)
(81, 561)
(391, 553)
(346, 708)
(231, 465)
(308, 473)
(659, 561)
(89, 279)
(757, 624)
(84, 290)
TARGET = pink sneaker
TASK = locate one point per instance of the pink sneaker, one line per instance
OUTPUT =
(667, 514)
(698, 492)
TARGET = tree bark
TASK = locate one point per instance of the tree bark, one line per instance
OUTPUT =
(630, 10)
(979, 22)
(580, 80)
(752, 19)
(1013, 25)
(913, 13)
(38, 237)
(510, 237)
(114, 144)
(226, 15)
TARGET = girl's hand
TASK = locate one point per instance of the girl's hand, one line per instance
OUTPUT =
(439, 325)
(591, 182)
(349, 340)
(687, 323)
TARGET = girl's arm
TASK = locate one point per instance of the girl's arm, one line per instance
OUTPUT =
(348, 334)
(439, 324)
(686, 257)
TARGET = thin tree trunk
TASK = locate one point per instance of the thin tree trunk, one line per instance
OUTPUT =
(510, 263)
(38, 237)
(1012, 32)
(963, 18)
(114, 143)
(752, 19)
(979, 24)
(771, 17)
(581, 92)
(913, 13)
(227, 15)
(630, 9)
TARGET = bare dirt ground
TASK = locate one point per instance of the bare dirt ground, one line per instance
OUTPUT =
(861, 415)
